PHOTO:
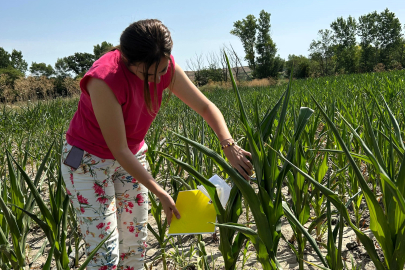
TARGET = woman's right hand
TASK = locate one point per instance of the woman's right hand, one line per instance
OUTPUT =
(169, 206)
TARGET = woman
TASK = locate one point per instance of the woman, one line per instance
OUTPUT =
(121, 95)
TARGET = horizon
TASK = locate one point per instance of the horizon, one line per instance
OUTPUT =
(46, 31)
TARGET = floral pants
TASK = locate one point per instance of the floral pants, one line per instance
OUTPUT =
(105, 197)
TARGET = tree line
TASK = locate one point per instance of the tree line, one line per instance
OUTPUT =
(44, 80)
(373, 42)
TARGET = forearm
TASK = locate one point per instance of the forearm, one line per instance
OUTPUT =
(132, 165)
(213, 116)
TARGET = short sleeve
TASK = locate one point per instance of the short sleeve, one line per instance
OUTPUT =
(167, 78)
(107, 70)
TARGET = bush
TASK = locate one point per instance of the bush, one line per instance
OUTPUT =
(72, 86)
(34, 87)
(380, 67)
(6, 91)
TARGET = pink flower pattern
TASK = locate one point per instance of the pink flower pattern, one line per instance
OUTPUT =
(82, 200)
(98, 200)
(140, 199)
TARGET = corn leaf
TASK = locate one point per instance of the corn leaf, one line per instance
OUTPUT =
(298, 226)
(261, 251)
(335, 200)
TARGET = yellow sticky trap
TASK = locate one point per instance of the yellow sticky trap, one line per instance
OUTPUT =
(196, 212)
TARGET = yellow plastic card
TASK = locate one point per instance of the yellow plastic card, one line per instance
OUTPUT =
(196, 212)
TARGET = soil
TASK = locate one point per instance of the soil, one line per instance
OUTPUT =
(286, 257)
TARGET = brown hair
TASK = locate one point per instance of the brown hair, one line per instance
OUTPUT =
(147, 41)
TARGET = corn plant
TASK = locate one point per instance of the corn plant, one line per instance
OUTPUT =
(12, 219)
(54, 224)
(387, 226)
(268, 176)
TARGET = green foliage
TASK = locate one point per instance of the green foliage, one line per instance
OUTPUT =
(389, 36)
(266, 49)
(378, 127)
(14, 60)
(246, 31)
(303, 67)
(266, 63)
(78, 63)
(100, 49)
(62, 68)
(18, 62)
(321, 52)
(381, 43)
(202, 77)
(344, 37)
(4, 58)
(12, 73)
(41, 69)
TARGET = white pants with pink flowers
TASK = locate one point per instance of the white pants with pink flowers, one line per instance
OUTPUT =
(105, 197)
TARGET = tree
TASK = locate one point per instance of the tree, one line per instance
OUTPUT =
(389, 36)
(367, 31)
(18, 62)
(79, 63)
(301, 64)
(400, 53)
(266, 49)
(8, 62)
(13, 60)
(4, 58)
(102, 48)
(246, 31)
(322, 53)
(61, 68)
(266, 64)
(41, 69)
(344, 39)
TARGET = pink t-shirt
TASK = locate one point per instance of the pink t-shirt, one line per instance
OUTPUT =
(84, 131)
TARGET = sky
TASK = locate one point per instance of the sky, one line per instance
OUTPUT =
(47, 30)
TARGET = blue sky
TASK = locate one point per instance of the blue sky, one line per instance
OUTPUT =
(47, 30)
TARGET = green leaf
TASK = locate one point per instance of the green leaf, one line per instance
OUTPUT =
(335, 200)
(48, 262)
(17, 197)
(394, 123)
(15, 232)
(38, 198)
(303, 118)
(378, 221)
(292, 219)
(261, 251)
(247, 191)
(64, 256)
(91, 254)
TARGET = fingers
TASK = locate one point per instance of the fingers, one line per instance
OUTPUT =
(246, 153)
(168, 214)
(243, 173)
(247, 169)
(176, 212)
(169, 211)
(247, 162)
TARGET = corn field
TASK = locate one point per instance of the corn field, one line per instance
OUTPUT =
(328, 158)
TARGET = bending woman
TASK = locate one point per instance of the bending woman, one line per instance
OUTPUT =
(121, 95)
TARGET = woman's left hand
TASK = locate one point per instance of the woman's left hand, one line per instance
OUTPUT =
(237, 158)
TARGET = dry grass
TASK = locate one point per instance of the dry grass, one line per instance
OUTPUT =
(211, 86)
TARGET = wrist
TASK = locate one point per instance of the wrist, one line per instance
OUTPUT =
(224, 141)
(228, 145)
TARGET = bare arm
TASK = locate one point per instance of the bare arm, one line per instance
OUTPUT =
(185, 90)
(109, 116)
